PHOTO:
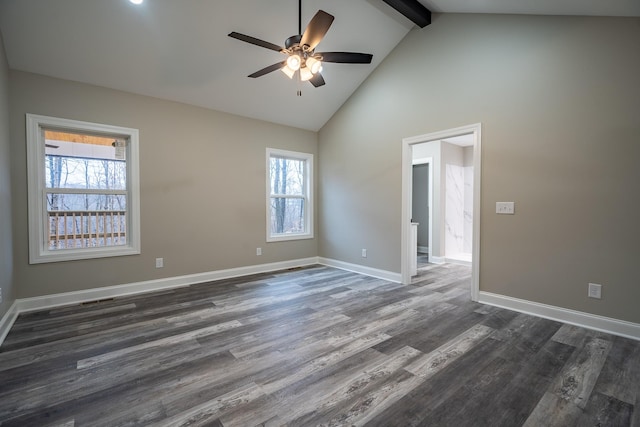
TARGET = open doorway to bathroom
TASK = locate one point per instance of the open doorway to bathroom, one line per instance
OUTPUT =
(441, 193)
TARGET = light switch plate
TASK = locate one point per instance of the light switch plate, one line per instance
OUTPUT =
(505, 208)
(595, 291)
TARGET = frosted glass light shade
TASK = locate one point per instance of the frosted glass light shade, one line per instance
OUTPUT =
(288, 71)
(294, 62)
(314, 65)
(305, 74)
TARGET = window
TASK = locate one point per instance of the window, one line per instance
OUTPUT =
(289, 195)
(82, 189)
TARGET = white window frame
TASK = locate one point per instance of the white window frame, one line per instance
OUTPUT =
(307, 195)
(36, 187)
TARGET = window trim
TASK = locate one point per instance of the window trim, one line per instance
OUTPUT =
(36, 189)
(308, 197)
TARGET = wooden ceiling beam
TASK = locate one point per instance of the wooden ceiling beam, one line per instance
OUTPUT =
(412, 9)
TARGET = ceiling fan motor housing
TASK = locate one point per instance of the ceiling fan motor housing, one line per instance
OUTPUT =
(292, 41)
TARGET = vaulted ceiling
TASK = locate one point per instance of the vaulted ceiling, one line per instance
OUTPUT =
(179, 50)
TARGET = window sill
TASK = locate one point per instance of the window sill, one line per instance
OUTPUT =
(287, 237)
(81, 254)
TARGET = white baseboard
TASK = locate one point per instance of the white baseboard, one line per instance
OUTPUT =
(77, 297)
(7, 321)
(24, 305)
(436, 259)
(423, 249)
(590, 321)
(362, 269)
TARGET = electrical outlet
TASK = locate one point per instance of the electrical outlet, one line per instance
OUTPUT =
(364, 253)
(159, 262)
(505, 208)
(258, 251)
(595, 291)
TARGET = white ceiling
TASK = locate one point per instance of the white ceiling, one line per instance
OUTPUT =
(179, 50)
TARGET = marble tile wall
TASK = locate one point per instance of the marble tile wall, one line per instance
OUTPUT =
(454, 210)
(468, 210)
(458, 210)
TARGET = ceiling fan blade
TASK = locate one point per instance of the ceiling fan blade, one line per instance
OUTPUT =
(317, 80)
(346, 57)
(255, 41)
(267, 70)
(317, 28)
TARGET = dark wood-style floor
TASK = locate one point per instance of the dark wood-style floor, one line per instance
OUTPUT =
(313, 346)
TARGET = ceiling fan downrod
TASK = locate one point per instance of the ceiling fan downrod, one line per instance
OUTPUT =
(300, 17)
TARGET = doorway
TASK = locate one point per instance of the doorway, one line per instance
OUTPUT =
(408, 145)
(422, 203)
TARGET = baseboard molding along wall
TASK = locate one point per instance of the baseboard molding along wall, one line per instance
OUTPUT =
(24, 305)
(67, 298)
(436, 259)
(7, 321)
(586, 320)
(362, 269)
(578, 318)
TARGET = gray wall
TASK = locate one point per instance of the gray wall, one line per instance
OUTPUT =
(420, 202)
(422, 151)
(6, 235)
(468, 156)
(202, 183)
(559, 103)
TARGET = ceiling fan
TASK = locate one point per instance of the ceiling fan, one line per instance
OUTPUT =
(302, 59)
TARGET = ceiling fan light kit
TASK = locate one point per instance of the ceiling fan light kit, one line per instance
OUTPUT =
(302, 59)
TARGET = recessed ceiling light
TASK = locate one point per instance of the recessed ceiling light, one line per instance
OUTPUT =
(136, 1)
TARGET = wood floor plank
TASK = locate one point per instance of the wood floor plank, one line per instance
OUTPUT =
(578, 379)
(554, 411)
(604, 410)
(620, 375)
(443, 325)
(209, 412)
(520, 394)
(156, 345)
(429, 364)
(313, 346)
(320, 363)
(416, 407)
(300, 393)
(363, 395)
